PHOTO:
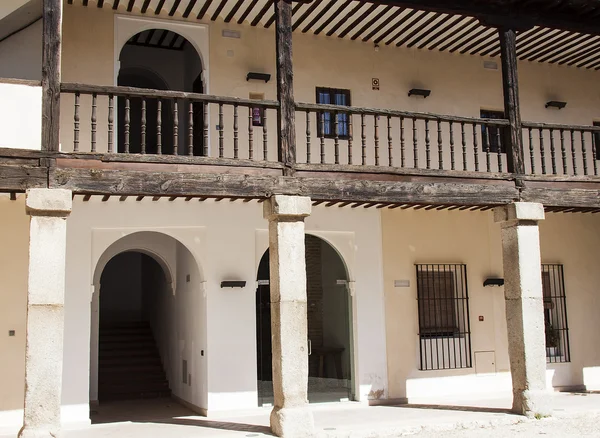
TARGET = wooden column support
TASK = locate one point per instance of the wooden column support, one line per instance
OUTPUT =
(510, 85)
(51, 73)
(286, 115)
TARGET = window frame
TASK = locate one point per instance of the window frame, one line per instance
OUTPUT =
(343, 118)
(555, 313)
(495, 146)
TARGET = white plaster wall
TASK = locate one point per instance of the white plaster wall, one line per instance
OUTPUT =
(9, 6)
(411, 237)
(20, 116)
(21, 54)
(225, 248)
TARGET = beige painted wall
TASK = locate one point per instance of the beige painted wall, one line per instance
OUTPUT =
(411, 237)
(459, 83)
(14, 235)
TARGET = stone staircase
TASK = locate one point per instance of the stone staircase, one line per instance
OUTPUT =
(129, 363)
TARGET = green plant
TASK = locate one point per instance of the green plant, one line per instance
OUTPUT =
(552, 335)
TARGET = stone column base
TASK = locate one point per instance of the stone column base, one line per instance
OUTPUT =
(28, 432)
(533, 404)
(292, 422)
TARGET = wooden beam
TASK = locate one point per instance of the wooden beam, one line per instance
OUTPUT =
(512, 111)
(51, 73)
(286, 115)
(21, 178)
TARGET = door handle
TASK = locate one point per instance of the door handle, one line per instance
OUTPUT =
(309, 347)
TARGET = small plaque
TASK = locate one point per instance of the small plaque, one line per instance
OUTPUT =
(401, 283)
(375, 84)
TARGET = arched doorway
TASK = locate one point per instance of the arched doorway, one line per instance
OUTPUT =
(133, 286)
(160, 59)
(329, 325)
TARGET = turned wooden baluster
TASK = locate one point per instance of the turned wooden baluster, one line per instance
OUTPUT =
(427, 145)
(573, 152)
(486, 143)
(251, 133)
(415, 144)
(205, 133)
(563, 150)
(389, 132)
(376, 122)
(236, 152)
(127, 124)
(542, 151)
(175, 127)
(159, 127)
(584, 152)
(402, 144)
(143, 147)
(363, 135)
(76, 124)
(552, 152)
(463, 139)
(111, 123)
(191, 129)
(452, 158)
(499, 152)
(95, 119)
(265, 136)
(531, 150)
(440, 146)
(336, 138)
(595, 153)
(350, 139)
(221, 133)
(475, 147)
(308, 136)
(322, 136)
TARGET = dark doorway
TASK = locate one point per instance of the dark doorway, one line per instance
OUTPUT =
(329, 326)
(129, 363)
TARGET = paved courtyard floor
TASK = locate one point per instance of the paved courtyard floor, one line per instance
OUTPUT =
(575, 414)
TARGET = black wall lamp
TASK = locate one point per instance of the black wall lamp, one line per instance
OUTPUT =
(493, 282)
(258, 76)
(556, 104)
(419, 92)
(233, 283)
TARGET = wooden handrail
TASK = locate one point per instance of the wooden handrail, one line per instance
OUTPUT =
(555, 126)
(27, 82)
(102, 90)
(397, 113)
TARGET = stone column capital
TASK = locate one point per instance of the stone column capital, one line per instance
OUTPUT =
(517, 212)
(287, 208)
(49, 202)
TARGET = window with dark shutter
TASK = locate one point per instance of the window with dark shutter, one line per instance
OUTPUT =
(326, 125)
(444, 328)
(555, 314)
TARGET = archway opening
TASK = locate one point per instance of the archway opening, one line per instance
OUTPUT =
(159, 59)
(329, 315)
(133, 285)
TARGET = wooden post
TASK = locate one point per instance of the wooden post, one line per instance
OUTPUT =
(510, 84)
(51, 53)
(286, 115)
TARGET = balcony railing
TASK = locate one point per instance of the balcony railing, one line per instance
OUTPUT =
(124, 120)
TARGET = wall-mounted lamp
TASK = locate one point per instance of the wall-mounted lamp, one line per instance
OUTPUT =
(493, 282)
(556, 104)
(419, 92)
(258, 76)
(233, 283)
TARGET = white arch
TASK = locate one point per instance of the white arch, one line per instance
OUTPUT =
(196, 34)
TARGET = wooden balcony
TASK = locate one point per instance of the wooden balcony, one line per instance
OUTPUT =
(121, 141)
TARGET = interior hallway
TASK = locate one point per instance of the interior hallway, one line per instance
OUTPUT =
(159, 418)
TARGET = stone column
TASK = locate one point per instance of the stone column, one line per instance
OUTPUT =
(524, 306)
(48, 209)
(289, 324)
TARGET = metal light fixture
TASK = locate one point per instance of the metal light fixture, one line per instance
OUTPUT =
(493, 282)
(233, 283)
(419, 92)
(556, 104)
(258, 76)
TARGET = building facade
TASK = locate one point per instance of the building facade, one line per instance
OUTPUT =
(415, 181)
